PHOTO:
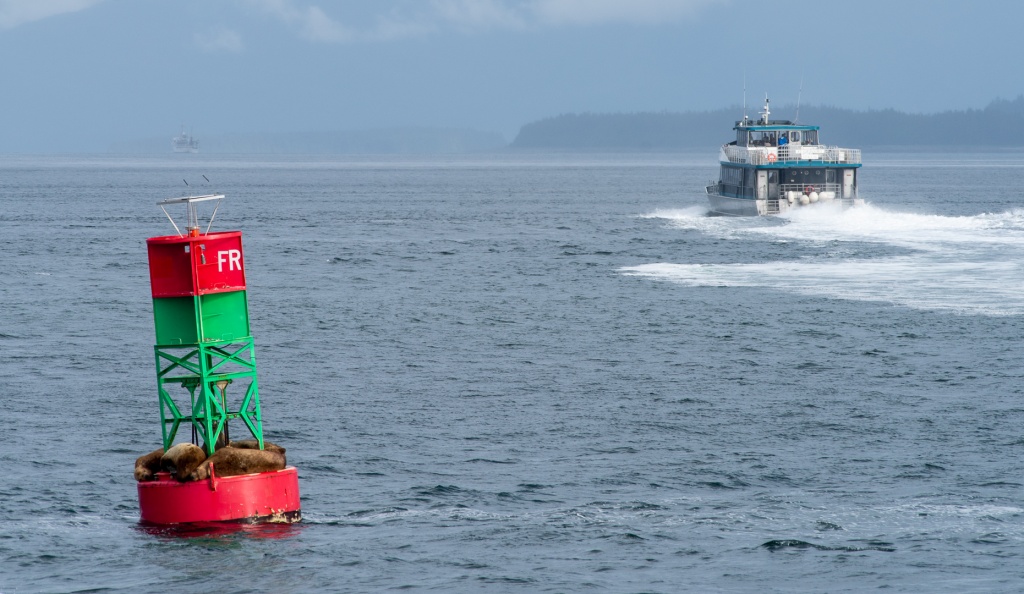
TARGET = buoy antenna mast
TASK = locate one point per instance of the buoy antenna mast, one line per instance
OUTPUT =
(191, 212)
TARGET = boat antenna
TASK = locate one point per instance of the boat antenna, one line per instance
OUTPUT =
(766, 113)
(744, 95)
(796, 120)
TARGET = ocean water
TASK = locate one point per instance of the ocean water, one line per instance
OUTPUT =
(534, 373)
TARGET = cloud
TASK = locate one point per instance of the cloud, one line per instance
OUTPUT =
(592, 12)
(480, 14)
(317, 26)
(523, 14)
(311, 22)
(19, 12)
(396, 26)
(470, 16)
(219, 40)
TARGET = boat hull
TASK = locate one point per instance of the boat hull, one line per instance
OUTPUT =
(749, 207)
(737, 207)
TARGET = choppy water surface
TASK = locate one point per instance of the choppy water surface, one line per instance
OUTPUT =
(535, 373)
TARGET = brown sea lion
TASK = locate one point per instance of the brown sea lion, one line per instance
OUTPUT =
(147, 466)
(182, 459)
(232, 461)
(252, 444)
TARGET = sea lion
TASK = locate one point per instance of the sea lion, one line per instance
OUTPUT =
(147, 466)
(232, 461)
(252, 444)
(181, 459)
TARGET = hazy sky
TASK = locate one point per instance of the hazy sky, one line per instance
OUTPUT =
(80, 74)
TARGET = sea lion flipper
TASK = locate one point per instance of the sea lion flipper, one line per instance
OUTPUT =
(147, 466)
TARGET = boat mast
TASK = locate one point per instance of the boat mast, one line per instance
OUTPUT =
(745, 98)
(796, 120)
(766, 113)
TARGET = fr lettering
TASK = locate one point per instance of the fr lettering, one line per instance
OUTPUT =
(233, 258)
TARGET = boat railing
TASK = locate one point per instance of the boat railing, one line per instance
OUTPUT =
(735, 154)
(824, 191)
(770, 155)
(827, 154)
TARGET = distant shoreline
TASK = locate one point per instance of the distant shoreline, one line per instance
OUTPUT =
(385, 141)
(997, 127)
(1000, 124)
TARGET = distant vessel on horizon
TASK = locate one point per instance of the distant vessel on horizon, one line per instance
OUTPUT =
(775, 165)
(184, 143)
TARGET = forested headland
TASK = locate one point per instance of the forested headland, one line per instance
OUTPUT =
(1000, 124)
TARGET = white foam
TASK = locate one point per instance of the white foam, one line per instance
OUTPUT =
(968, 264)
(680, 214)
(918, 231)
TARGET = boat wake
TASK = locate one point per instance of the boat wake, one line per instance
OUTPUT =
(967, 264)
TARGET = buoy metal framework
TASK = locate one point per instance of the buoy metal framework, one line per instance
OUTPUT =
(206, 373)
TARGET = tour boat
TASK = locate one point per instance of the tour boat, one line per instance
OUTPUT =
(775, 166)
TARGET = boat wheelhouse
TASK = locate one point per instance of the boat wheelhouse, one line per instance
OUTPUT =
(776, 165)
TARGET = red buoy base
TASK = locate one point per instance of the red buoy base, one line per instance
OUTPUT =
(264, 497)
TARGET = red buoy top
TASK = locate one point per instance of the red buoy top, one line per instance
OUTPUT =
(196, 264)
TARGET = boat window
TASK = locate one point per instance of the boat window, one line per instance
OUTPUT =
(808, 176)
(762, 138)
(794, 136)
(732, 176)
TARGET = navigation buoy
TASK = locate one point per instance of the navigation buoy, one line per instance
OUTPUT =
(203, 347)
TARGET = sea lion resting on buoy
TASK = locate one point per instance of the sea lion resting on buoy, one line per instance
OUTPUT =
(182, 459)
(233, 461)
(252, 444)
(147, 466)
